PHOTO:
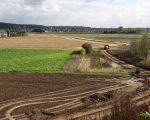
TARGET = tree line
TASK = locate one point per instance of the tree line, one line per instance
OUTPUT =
(71, 29)
(88, 30)
(141, 47)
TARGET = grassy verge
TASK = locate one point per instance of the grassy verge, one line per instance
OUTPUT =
(105, 68)
(32, 60)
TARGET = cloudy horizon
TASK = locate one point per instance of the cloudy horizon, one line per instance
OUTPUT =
(92, 13)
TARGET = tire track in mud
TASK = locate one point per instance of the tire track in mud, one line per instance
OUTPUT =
(39, 95)
(9, 112)
(56, 99)
(50, 93)
(139, 99)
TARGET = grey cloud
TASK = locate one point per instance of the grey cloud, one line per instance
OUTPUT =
(97, 13)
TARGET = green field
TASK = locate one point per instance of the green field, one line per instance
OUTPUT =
(32, 60)
(107, 36)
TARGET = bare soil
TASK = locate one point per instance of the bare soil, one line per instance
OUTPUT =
(18, 90)
(16, 85)
(45, 41)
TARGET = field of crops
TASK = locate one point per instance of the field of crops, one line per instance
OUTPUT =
(32, 60)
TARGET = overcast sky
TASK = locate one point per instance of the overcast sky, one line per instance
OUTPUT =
(95, 13)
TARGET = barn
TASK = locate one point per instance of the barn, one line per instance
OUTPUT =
(3, 33)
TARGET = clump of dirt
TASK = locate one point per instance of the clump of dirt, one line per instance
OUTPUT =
(98, 98)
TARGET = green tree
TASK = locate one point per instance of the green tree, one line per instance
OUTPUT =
(120, 29)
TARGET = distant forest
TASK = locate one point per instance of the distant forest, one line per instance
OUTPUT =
(71, 29)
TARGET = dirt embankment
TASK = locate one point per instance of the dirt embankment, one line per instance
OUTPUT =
(130, 58)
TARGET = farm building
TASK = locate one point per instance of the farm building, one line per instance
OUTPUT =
(3, 33)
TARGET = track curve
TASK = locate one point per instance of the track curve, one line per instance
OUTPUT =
(73, 98)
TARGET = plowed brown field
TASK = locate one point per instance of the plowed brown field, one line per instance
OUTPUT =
(21, 90)
(44, 41)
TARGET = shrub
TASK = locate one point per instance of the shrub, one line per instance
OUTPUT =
(82, 52)
(38, 30)
(143, 116)
(88, 48)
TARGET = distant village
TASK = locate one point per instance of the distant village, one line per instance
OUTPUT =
(7, 33)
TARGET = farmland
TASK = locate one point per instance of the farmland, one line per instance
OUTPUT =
(38, 52)
(44, 87)
(74, 60)
(49, 77)
(110, 37)
(49, 41)
(32, 60)
(31, 84)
